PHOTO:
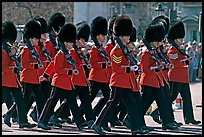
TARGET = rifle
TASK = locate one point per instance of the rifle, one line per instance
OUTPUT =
(13, 57)
(101, 51)
(45, 52)
(54, 42)
(132, 60)
(68, 57)
(82, 56)
(164, 56)
(173, 43)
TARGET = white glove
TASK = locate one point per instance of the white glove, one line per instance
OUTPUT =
(135, 67)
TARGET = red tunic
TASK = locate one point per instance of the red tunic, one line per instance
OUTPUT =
(9, 79)
(49, 70)
(43, 58)
(80, 79)
(61, 79)
(119, 77)
(108, 47)
(180, 71)
(28, 74)
(96, 72)
(149, 77)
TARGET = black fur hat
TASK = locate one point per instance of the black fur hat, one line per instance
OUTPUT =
(133, 36)
(83, 30)
(110, 24)
(99, 26)
(9, 31)
(67, 33)
(155, 32)
(164, 20)
(123, 26)
(32, 29)
(176, 31)
(56, 21)
(43, 23)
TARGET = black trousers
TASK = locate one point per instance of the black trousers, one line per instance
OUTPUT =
(46, 89)
(149, 94)
(56, 94)
(95, 87)
(33, 91)
(166, 89)
(18, 97)
(138, 99)
(120, 113)
(184, 90)
(84, 96)
(7, 98)
(117, 95)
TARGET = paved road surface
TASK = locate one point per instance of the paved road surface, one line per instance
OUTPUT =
(70, 129)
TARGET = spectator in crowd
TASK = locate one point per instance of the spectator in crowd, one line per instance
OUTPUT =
(191, 53)
(199, 73)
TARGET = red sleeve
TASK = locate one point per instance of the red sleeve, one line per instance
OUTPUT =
(74, 55)
(117, 60)
(145, 62)
(26, 59)
(108, 48)
(50, 48)
(175, 56)
(50, 69)
(94, 54)
(6, 61)
(59, 64)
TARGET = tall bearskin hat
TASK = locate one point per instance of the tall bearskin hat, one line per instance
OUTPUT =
(32, 29)
(164, 19)
(155, 32)
(133, 36)
(176, 31)
(110, 24)
(99, 26)
(67, 33)
(9, 31)
(56, 21)
(43, 23)
(83, 30)
(123, 26)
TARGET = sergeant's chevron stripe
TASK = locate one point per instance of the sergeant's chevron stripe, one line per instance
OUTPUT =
(117, 59)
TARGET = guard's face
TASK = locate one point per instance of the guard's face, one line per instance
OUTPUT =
(179, 41)
(34, 41)
(101, 38)
(43, 37)
(81, 43)
(68, 45)
(125, 39)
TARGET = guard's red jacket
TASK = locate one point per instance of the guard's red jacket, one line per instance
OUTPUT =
(9, 78)
(180, 71)
(61, 79)
(50, 48)
(29, 74)
(96, 72)
(49, 70)
(108, 47)
(149, 77)
(80, 79)
(43, 58)
(162, 74)
(119, 77)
